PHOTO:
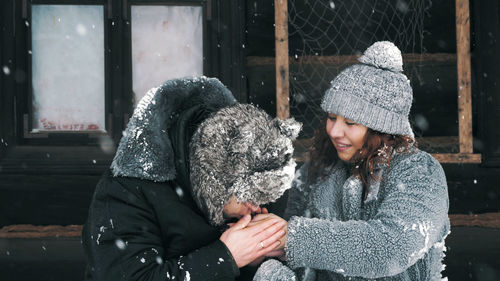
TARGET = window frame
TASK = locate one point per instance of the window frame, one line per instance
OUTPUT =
(61, 137)
(65, 152)
(79, 152)
(465, 134)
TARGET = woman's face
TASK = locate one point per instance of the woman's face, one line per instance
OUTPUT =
(348, 137)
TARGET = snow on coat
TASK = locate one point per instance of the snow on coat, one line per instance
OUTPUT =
(396, 234)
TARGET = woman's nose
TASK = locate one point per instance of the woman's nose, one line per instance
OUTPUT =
(336, 130)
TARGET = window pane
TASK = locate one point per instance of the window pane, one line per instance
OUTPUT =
(68, 67)
(167, 42)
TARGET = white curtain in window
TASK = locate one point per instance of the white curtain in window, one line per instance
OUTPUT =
(167, 43)
(68, 67)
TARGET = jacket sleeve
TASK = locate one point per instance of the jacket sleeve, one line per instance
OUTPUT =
(273, 270)
(124, 243)
(298, 195)
(411, 218)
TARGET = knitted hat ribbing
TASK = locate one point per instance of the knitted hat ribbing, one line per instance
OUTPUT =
(374, 93)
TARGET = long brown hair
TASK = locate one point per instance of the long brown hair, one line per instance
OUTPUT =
(377, 149)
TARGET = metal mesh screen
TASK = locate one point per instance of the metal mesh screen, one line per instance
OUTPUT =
(327, 36)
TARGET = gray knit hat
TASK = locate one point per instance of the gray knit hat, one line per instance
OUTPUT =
(374, 93)
(241, 151)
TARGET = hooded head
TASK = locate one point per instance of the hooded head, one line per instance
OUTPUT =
(146, 150)
(241, 151)
(374, 93)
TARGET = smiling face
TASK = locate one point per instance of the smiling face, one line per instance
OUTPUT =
(348, 137)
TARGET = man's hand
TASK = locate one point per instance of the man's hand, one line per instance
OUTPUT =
(249, 242)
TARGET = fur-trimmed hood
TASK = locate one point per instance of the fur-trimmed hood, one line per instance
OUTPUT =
(145, 150)
(241, 151)
(237, 150)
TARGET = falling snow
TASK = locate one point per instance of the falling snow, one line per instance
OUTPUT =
(179, 191)
(402, 6)
(159, 260)
(120, 244)
(6, 70)
(81, 30)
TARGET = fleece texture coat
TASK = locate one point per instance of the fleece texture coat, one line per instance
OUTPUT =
(397, 233)
(143, 223)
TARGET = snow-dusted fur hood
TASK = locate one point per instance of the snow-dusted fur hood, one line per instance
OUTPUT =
(241, 151)
(145, 150)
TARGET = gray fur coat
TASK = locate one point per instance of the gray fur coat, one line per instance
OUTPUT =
(396, 234)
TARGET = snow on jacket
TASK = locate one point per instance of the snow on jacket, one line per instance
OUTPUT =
(397, 233)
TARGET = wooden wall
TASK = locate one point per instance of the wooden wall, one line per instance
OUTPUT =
(51, 198)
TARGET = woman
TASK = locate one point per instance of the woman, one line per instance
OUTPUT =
(370, 204)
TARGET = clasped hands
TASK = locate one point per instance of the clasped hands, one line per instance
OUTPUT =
(250, 240)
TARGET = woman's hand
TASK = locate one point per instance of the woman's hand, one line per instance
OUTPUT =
(266, 216)
(249, 242)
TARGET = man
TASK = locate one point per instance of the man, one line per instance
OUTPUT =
(190, 160)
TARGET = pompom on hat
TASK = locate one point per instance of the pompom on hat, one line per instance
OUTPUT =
(374, 93)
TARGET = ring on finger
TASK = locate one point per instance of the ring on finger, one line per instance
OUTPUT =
(261, 244)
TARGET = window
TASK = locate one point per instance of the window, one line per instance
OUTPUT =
(317, 42)
(67, 68)
(163, 36)
(75, 70)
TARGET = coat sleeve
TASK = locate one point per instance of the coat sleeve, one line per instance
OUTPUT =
(273, 270)
(298, 195)
(123, 242)
(411, 218)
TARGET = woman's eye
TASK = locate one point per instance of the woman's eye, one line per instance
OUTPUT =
(333, 118)
(351, 123)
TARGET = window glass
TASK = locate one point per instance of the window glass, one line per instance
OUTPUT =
(167, 43)
(68, 67)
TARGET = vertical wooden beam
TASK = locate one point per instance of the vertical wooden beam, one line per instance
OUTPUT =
(464, 76)
(282, 60)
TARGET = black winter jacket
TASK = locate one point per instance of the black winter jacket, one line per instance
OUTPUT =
(142, 230)
(142, 225)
